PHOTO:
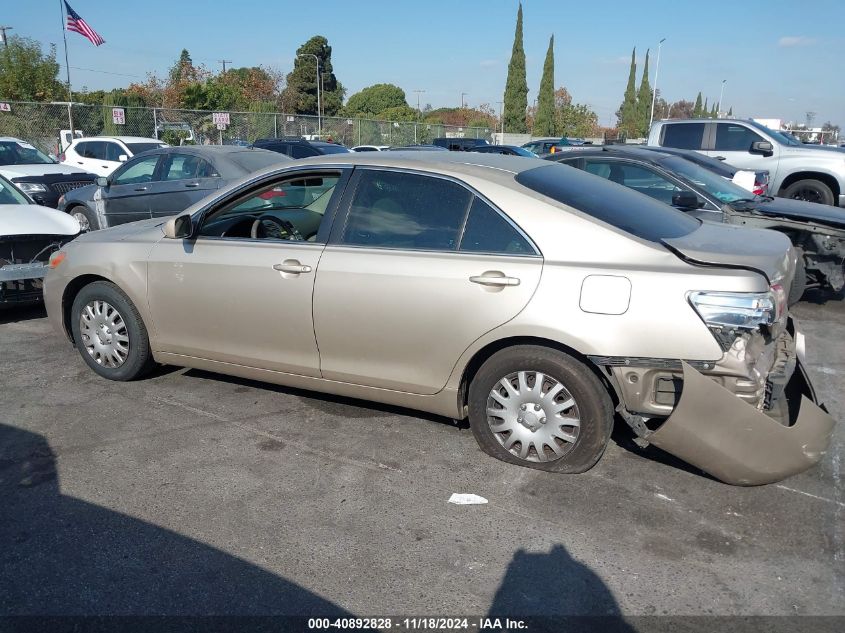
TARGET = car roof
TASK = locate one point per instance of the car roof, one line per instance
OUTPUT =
(124, 139)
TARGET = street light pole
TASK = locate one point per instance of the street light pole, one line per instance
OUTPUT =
(319, 109)
(3, 30)
(654, 89)
(463, 94)
(502, 120)
(721, 94)
(418, 100)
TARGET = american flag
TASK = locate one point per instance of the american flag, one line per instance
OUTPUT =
(78, 25)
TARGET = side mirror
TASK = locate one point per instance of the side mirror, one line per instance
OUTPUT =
(179, 227)
(102, 181)
(685, 200)
(122, 158)
(762, 147)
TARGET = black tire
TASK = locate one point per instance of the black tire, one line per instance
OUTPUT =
(139, 360)
(799, 283)
(809, 190)
(88, 220)
(595, 408)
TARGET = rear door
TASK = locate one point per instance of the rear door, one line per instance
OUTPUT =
(421, 267)
(127, 198)
(183, 179)
(684, 136)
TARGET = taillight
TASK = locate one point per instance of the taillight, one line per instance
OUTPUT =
(62, 157)
(780, 296)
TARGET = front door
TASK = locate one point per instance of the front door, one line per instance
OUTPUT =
(126, 199)
(732, 143)
(421, 269)
(240, 290)
(183, 180)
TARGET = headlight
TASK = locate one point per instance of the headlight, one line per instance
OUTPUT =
(740, 310)
(31, 187)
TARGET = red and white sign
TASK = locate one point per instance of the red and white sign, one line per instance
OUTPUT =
(5, 107)
(220, 118)
(118, 116)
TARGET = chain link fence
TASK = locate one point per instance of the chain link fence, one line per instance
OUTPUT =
(42, 123)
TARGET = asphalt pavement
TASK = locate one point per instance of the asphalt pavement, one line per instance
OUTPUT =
(194, 493)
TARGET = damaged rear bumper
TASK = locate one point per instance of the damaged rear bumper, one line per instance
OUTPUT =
(713, 429)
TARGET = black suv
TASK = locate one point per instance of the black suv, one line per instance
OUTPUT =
(459, 144)
(298, 147)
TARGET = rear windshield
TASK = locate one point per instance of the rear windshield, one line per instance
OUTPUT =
(619, 206)
(253, 161)
(137, 148)
(333, 149)
(22, 153)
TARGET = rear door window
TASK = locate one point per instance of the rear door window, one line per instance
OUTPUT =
(186, 166)
(683, 135)
(732, 137)
(402, 210)
(636, 177)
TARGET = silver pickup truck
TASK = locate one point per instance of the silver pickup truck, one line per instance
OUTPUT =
(803, 172)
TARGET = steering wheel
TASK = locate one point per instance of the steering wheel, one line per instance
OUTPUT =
(270, 226)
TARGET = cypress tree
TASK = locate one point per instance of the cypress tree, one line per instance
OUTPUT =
(644, 101)
(628, 111)
(696, 111)
(516, 87)
(731, 112)
(714, 113)
(705, 111)
(544, 122)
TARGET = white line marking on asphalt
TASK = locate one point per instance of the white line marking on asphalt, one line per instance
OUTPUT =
(807, 494)
(187, 407)
(829, 370)
(660, 495)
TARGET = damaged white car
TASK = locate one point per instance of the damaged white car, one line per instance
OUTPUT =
(29, 235)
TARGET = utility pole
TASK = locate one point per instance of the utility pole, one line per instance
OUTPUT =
(419, 92)
(654, 88)
(224, 62)
(721, 94)
(463, 94)
(3, 30)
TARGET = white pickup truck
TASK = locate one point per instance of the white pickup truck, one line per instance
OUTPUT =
(803, 172)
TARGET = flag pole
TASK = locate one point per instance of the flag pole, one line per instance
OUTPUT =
(67, 68)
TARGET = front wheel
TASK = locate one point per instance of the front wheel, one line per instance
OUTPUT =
(87, 219)
(538, 407)
(109, 333)
(809, 190)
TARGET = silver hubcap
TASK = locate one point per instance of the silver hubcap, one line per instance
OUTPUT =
(533, 416)
(84, 224)
(104, 334)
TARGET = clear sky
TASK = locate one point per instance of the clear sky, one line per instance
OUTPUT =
(781, 58)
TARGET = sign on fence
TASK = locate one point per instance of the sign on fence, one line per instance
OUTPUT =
(290, 119)
(220, 118)
(5, 107)
(118, 116)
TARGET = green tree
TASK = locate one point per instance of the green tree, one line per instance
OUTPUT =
(300, 95)
(544, 122)
(375, 99)
(573, 119)
(696, 111)
(714, 113)
(644, 101)
(398, 113)
(705, 110)
(516, 86)
(731, 111)
(627, 113)
(182, 69)
(138, 121)
(29, 74)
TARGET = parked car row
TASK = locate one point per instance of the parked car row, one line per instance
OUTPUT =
(532, 297)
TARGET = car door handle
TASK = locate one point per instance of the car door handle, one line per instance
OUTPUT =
(292, 266)
(719, 157)
(140, 188)
(192, 184)
(494, 279)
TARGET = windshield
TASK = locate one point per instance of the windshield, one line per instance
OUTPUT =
(618, 206)
(21, 153)
(783, 139)
(333, 149)
(524, 152)
(137, 148)
(721, 188)
(10, 195)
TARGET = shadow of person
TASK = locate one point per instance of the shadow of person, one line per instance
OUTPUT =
(63, 556)
(557, 593)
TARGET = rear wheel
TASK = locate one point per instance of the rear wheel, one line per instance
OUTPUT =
(809, 190)
(87, 219)
(541, 408)
(109, 333)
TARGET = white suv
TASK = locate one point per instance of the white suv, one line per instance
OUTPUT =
(101, 155)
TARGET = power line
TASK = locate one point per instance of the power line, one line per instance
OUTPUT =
(104, 72)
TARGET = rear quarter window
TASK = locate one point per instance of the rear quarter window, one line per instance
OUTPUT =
(614, 204)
